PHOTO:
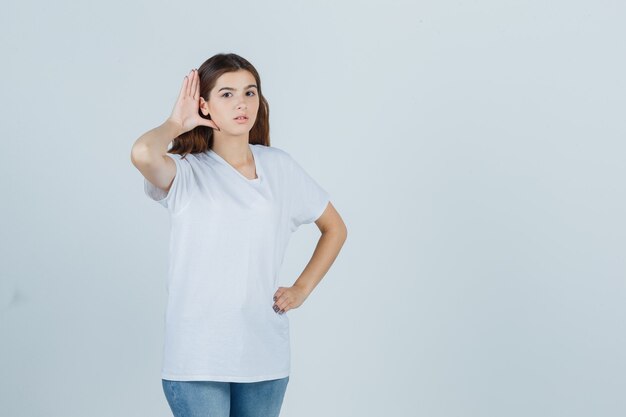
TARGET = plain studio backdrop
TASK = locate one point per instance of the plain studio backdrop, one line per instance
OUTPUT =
(474, 149)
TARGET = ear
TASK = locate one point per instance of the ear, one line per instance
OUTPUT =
(204, 107)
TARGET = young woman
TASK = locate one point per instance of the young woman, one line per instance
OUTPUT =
(233, 202)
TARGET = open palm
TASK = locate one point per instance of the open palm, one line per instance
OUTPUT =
(187, 105)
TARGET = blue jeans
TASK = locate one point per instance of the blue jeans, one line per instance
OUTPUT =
(225, 399)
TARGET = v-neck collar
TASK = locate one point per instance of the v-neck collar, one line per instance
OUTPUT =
(257, 165)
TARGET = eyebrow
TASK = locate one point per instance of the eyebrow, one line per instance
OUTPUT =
(234, 89)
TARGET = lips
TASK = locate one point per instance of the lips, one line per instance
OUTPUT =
(242, 116)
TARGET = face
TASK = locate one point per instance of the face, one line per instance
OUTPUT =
(234, 94)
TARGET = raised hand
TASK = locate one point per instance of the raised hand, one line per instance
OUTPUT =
(185, 111)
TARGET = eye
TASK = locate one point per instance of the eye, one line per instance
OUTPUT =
(253, 93)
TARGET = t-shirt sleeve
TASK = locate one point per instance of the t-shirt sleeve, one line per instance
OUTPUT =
(181, 190)
(308, 199)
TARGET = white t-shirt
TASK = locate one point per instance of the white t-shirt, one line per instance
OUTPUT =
(228, 238)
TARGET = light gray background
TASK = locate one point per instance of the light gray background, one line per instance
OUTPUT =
(474, 149)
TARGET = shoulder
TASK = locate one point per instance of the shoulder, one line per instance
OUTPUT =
(189, 161)
(274, 154)
(189, 157)
(270, 150)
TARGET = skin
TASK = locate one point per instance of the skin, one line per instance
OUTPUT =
(230, 141)
(334, 234)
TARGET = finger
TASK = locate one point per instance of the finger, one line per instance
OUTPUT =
(194, 83)
(279, 303)
(188, 87)
(278, 309)
(278, 293)
(282, 302)
(280, 298)
(183, 89)
(283, 308)
(209, 123)
(197, 94)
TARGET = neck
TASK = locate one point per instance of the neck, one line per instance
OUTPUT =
(235, 150)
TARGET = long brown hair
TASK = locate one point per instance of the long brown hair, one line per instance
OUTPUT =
(200, 138)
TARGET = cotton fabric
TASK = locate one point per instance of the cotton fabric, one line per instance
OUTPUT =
(228, 236)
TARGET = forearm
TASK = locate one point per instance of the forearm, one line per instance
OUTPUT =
(157, 140)
(324, 255)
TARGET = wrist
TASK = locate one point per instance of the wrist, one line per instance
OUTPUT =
(304, 287)
(175, 126)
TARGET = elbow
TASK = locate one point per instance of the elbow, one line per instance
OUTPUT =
(340, 231)
(344, 232)
(140, 154)
(136, 154)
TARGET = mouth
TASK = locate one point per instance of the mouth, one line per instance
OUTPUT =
(240, 118)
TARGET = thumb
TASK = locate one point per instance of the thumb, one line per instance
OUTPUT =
(209, 123)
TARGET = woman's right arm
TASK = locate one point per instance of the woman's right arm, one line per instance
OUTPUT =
(148, 154)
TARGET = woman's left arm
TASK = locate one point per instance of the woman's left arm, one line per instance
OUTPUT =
(334, 234)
